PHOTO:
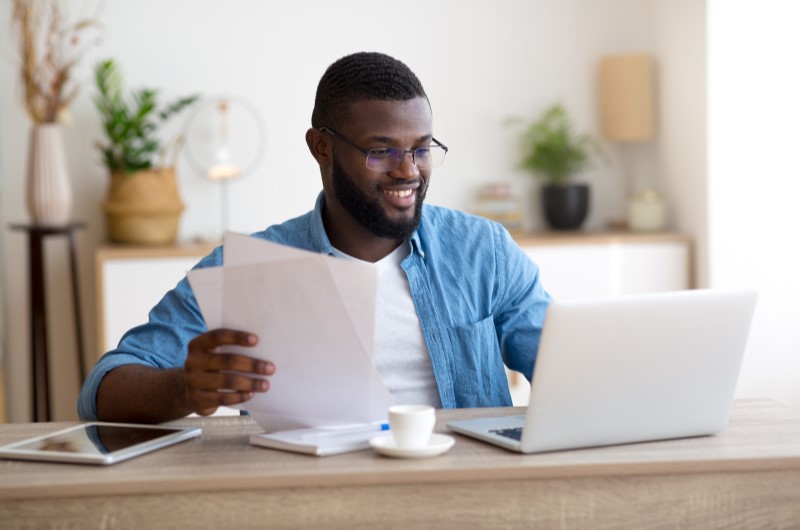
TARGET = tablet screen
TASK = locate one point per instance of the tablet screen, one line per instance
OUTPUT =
(97, 442)
(97, 439)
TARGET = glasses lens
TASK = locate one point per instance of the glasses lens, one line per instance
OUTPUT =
(390, 158)
(385, 159)
(429, 157)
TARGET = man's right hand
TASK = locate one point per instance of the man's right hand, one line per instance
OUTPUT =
(213, 378)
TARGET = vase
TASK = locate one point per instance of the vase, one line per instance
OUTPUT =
(647, 212)
(49, 196)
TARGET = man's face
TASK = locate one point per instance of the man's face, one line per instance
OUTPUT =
(388, 204)
(367, 209)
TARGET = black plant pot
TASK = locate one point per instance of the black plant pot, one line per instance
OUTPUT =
(565, 207)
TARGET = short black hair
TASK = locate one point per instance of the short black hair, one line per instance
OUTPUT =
(358, 77)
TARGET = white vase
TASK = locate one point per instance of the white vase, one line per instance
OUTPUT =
(48, 187)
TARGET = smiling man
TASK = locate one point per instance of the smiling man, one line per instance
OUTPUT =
(457, 299)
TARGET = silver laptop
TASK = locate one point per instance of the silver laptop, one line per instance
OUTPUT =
(629, 369)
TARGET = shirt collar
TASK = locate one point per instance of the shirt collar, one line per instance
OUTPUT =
(320, 238)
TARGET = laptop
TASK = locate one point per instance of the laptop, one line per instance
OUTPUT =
(629, 369)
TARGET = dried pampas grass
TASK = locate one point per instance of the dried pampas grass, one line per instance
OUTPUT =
(49, 48)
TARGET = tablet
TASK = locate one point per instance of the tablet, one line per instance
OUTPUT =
(97, 443)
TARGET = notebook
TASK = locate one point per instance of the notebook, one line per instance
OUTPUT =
(321, 441)
(629, 369)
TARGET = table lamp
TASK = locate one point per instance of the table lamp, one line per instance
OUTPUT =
(627, 113)
(225, 140)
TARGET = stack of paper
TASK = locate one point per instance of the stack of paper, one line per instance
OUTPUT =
(315, 318)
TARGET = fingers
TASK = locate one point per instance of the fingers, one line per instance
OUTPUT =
(229, 362)
(218, 337)
(226, 382)
(214, 379)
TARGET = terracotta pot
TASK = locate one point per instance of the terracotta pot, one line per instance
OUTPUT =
(49, 197)
(143, 207)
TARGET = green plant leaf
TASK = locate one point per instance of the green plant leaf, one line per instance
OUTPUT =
(550, 148)
(130, 124)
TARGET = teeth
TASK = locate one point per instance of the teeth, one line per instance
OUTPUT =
(401, 193)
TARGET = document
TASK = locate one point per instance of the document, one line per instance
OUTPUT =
(315, 318)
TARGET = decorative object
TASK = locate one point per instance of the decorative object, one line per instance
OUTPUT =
(552, 150)
(49, 196)
(647, 212)
(49, 48)
(143, 205)
(225, 140)
(627, 112)
(497, 202)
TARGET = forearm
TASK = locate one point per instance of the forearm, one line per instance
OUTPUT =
(142, 394)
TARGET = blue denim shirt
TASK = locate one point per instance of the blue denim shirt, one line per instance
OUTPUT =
(477, 294)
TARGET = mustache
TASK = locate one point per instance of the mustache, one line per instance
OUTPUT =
(420, 183)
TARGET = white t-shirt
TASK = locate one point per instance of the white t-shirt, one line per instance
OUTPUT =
(400, 353)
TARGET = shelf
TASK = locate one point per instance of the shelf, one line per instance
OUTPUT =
(598, 238)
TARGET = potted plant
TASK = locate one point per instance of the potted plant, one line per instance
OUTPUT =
(143, 204)
(552, 150)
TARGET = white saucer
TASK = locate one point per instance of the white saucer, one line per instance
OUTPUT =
(438, 444)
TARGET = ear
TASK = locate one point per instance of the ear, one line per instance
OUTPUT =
(320, 147)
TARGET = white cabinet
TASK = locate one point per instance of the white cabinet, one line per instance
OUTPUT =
(131, 280)
(608, 264)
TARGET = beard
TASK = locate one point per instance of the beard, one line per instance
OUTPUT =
(369, 213)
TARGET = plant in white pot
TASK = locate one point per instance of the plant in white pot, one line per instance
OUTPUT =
(553, 151)
(143, 205)
(50, 47)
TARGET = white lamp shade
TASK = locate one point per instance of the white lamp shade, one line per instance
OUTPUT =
(627, 102)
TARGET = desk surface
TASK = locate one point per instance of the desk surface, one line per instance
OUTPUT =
(761, 445)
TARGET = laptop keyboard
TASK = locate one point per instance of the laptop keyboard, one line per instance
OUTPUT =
(514, 434)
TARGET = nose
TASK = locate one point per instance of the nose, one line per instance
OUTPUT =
(408, 168)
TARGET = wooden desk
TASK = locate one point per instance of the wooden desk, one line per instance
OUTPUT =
(747, 477)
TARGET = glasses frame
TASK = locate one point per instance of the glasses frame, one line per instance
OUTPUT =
(412, 152)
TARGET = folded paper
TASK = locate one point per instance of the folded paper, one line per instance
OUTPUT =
(315, 318)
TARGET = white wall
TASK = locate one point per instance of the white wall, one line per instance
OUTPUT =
(480, 62)
(680, 36)
(754, 182)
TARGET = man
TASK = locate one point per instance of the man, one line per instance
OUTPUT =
(457, 298)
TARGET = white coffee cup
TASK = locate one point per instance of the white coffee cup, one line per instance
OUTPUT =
(411, 425)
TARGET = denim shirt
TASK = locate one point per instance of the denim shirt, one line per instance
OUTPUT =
(477, 294)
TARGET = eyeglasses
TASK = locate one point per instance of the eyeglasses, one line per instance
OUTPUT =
(389, 158)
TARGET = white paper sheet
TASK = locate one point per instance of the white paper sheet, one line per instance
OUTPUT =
(314, 315)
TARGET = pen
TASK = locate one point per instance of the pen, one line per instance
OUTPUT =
(348, 431)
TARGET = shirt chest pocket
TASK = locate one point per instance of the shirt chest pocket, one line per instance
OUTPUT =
(480, 379)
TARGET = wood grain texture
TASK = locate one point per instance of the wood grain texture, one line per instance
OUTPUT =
(749, 500)
(598, 238)
(747, 477)
(105, 252)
